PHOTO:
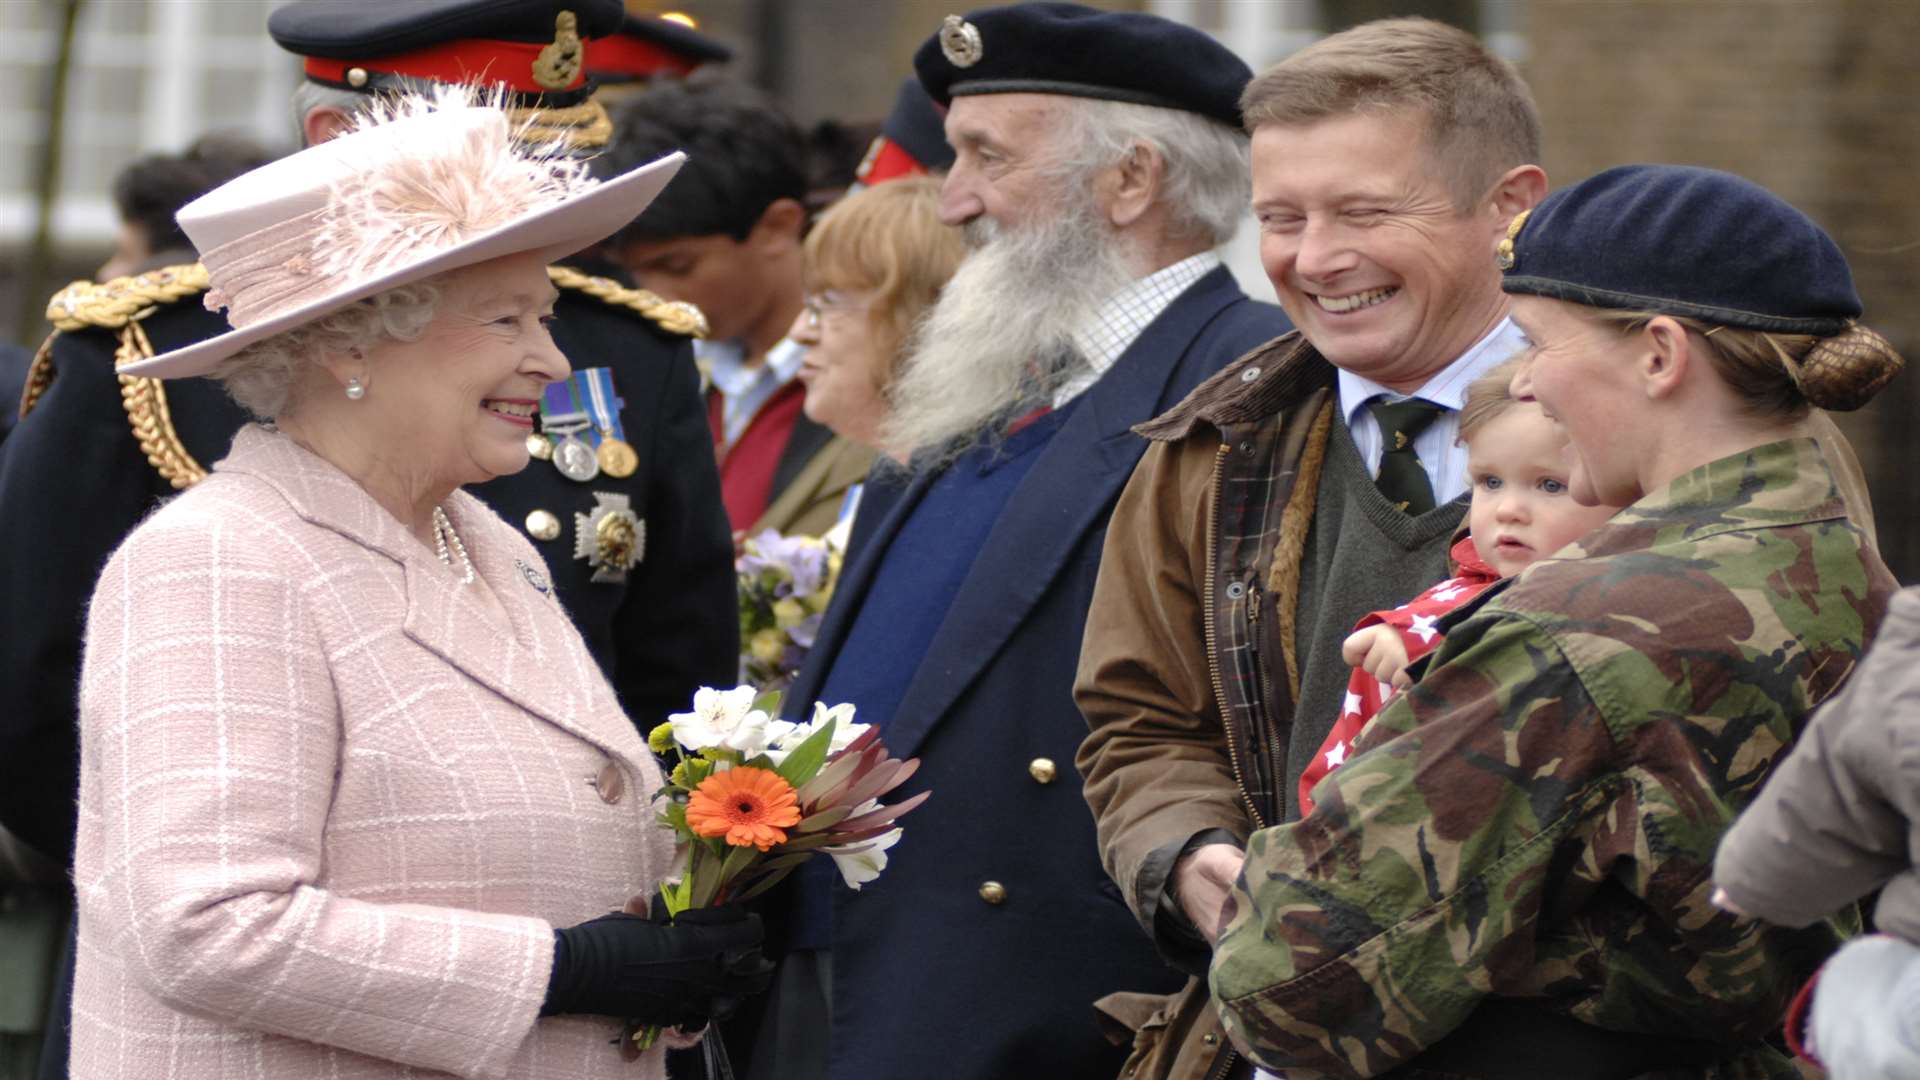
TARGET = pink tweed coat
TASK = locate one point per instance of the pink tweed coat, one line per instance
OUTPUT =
(330, 806)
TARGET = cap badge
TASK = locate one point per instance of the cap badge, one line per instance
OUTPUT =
(612, 538)
(1505, 259)
(960, 42)
(559, 63)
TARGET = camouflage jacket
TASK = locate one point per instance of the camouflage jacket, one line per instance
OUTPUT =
(1536, 818)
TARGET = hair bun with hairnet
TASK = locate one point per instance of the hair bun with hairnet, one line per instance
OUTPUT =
(1843, 372)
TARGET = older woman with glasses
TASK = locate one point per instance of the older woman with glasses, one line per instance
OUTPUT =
(874, 264)
(354, 798)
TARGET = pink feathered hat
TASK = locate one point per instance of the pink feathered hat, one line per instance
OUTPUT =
(421, 187)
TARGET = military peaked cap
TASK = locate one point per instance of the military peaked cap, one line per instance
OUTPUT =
(1683, 241)
(1083, 52)
(912, 139)
(646, 46)
(536, 48)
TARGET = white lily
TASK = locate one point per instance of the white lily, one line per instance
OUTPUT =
(724, 718)
(784, 737)
(862, 862)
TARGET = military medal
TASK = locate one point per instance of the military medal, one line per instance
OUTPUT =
(575, 459)
(616, 455)
(539, 447)
(612, 538)
(617, 459)
(563, 421)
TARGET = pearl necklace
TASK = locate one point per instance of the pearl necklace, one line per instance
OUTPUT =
(443, 537)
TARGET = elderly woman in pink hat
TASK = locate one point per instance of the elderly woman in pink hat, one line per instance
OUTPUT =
(354, 799)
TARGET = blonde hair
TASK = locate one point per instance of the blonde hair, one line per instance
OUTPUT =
(1489, 397)
(1479, 116)
(887, 240)
(1777, 376)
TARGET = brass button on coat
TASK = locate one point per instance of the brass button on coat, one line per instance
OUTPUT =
(611, 783)
(1042, 770)
(993, 892)
(543, 525)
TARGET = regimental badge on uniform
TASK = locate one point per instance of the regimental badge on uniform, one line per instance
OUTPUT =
(612, 538)
(580, 428)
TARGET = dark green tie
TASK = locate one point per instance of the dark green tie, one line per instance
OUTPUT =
(1403, 480)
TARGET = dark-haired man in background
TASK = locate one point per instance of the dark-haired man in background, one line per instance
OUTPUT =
(726, 237)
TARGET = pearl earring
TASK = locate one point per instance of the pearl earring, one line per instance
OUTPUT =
(356, 390)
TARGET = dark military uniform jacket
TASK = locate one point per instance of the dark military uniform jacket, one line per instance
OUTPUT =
(95, 454)
(1536, 818)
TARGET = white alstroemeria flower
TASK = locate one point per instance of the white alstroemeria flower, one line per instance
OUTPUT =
(785, 737)
(862, 862)
(724, 718)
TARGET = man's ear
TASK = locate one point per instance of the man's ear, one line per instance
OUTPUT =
(782, 225)
(1520, 188)
(1133, 185)
(1665, 355)
(324, 123)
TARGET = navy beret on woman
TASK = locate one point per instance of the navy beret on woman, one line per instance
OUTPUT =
(1083, 52)
(1707, 245)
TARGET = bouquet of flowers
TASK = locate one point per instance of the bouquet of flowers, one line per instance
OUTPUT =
(751, 797)
(785, 583)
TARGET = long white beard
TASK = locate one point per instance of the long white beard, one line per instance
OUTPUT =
(1000, 340)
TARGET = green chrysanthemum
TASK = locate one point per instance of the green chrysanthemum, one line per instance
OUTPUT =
(660, 739)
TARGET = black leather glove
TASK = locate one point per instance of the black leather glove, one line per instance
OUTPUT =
(677, 973)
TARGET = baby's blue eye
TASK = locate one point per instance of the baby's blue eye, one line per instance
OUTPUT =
(1552, 486)
(1491, 483)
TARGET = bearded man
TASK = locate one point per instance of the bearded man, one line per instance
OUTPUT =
(1098, 163)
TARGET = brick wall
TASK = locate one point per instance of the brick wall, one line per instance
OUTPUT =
(1817, 101)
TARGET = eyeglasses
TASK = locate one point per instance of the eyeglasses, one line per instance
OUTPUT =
(818, 306)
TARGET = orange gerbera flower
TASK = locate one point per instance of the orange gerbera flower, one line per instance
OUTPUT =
(744, 804)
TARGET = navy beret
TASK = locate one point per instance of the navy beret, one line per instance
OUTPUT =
(647, 45)
(1683, 241)
(1083, 52)
(445, 40)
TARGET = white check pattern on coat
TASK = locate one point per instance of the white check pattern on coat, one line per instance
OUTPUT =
(1126, 315)
(330, 807)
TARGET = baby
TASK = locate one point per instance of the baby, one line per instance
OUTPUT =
(1521, 512)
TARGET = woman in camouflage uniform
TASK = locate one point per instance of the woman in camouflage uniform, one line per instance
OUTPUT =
(1510, 878)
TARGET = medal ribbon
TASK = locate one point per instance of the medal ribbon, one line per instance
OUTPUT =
(605, 406)
(559, 408)
(577, 409)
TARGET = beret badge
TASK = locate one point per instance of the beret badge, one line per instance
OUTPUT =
(960, 42)
(559, 63)
(1505, 257)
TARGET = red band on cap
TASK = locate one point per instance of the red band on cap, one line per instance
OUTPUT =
(887, 160)
(624, 55)
(473, 60)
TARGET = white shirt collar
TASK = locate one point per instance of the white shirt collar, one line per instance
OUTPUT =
(1448, 387)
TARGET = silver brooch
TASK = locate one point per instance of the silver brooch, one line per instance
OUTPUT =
(960, 42)
(534, 577)
(612, 538)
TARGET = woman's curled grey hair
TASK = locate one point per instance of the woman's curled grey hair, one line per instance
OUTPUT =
(261, 376)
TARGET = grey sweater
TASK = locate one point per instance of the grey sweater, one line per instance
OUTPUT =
(1362, 554)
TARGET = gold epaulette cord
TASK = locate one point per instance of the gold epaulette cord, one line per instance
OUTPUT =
(120, 305)
(674, 316)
